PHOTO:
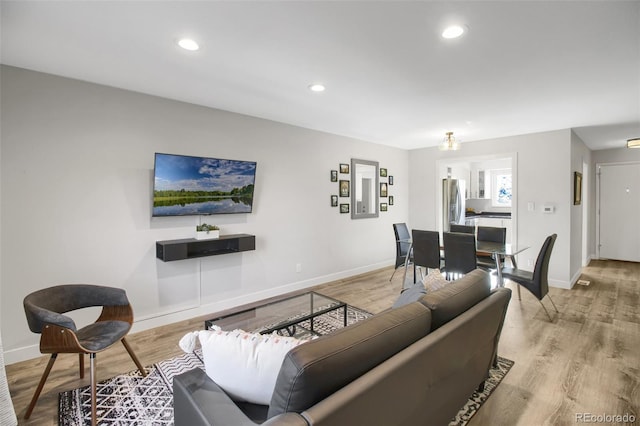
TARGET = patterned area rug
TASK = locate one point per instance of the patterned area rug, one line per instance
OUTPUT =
(131, 399)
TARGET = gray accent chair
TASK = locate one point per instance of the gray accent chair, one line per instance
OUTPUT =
(58, 333)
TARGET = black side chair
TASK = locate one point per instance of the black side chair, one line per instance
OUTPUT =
(495, 235)
(426, 250)
(58, 333)
(465, 229)
(459, 253)
(403, 244)
(536, 282)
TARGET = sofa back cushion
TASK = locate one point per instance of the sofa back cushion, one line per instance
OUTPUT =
(316, 369)
(455, 298)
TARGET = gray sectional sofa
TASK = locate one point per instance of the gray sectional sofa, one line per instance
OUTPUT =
(416, 364)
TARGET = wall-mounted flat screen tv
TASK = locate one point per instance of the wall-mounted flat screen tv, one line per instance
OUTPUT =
(185, 185)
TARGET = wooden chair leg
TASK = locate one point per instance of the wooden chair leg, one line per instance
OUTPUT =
(94, 414)
(43, 379)
(134, 357)
(518, 286)
(81, 364)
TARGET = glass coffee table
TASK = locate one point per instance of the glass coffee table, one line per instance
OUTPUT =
(282, 316)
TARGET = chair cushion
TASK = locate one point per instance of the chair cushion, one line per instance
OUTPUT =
(517, 275)
(315, 370)
(100, 335)
(456, 297)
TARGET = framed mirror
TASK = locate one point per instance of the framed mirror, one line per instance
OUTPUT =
(364, 188)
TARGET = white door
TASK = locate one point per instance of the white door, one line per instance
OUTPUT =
(619, 205)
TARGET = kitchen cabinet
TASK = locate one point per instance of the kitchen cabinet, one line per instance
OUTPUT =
(479, 183)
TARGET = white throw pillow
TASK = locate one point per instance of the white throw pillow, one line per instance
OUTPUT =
(245, 365)
(434, 280)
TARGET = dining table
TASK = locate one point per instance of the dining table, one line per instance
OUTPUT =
(499, 250)
(489, 248)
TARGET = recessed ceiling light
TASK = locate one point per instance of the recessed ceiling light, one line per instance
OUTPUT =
(188, 44)
(454, 31)
(317, 87)
(633, 143)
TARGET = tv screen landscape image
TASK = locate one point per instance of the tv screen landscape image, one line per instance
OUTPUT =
(186, 185)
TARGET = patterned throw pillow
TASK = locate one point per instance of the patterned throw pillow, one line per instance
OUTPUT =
(245, 365)
(434, 280)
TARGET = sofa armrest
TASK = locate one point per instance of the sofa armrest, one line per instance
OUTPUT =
(198, 400)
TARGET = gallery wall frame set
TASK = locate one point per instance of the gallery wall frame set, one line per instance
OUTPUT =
(344, 188)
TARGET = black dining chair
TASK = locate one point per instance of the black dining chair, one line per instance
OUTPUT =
(465, 229)
(491, 234)
(459, 253)
(403, 244)
(426, 251)
(537, 282)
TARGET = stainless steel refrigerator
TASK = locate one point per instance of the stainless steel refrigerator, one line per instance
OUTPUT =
(453, 197)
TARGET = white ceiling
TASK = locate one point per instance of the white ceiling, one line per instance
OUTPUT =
(522, 66)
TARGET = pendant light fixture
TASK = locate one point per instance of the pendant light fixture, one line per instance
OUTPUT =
(633, 143)
(449, 143)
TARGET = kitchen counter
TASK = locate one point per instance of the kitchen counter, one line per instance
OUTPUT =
(497, 215)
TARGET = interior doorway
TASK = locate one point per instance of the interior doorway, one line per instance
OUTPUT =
(476, 171)
(618, 205)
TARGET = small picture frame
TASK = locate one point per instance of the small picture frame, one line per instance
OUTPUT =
(344, 168)
(383, 207)
(383, 189)
(344, 208)
(390, 200)
(334, 175)
(390, 180)
(383, 172)
(344, 188)
(334, 201)
(577, 188)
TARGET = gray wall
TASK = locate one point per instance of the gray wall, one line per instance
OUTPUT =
(77, 166)
(542, 176)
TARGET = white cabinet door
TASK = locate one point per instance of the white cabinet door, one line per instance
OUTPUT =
(490, 221)
(506, 223)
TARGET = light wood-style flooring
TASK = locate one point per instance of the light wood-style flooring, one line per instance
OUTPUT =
(587, 360)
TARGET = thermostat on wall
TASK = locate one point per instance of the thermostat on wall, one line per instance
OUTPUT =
(548, 208)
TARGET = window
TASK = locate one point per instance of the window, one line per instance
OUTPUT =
(502, 190)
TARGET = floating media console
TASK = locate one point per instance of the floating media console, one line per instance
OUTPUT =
(189, 248)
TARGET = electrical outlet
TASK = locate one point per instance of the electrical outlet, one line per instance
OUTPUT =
(298, 267)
